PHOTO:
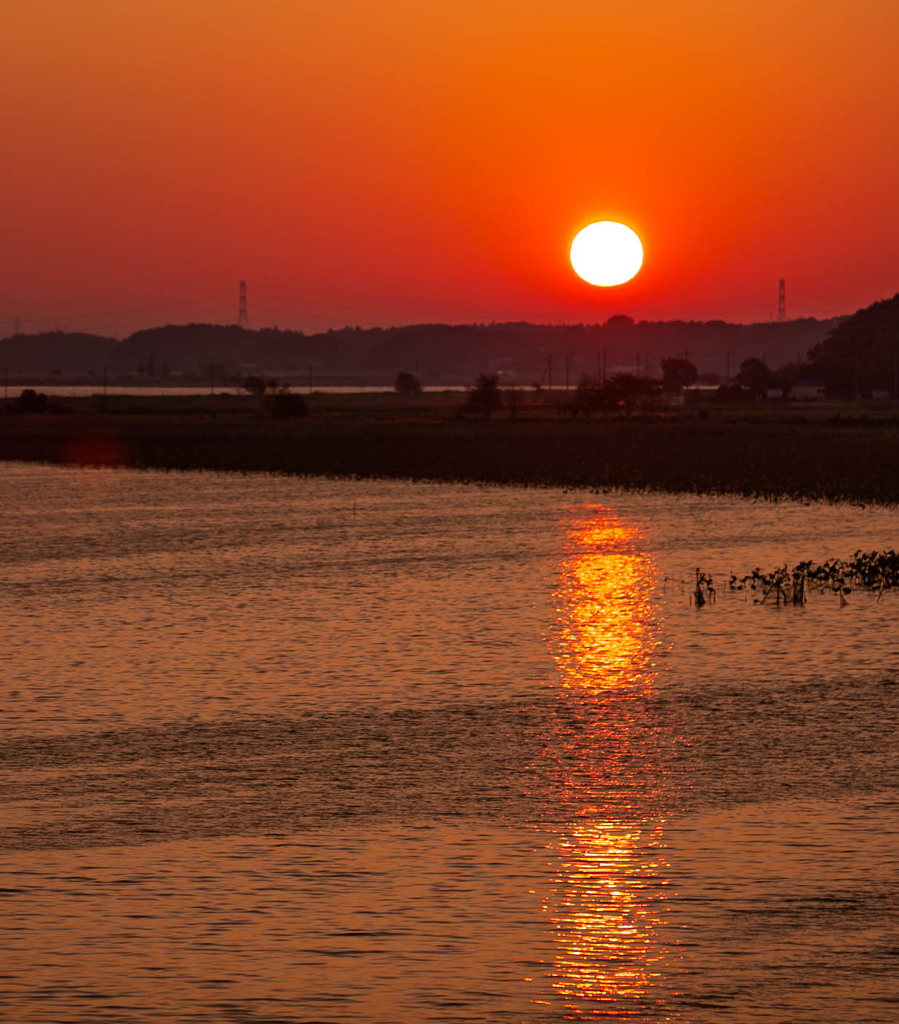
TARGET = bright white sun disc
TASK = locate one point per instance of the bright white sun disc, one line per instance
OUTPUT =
(606, 253)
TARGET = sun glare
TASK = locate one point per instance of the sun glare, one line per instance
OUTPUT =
(606, 253)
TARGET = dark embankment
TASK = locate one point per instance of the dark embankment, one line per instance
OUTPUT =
(841, 459)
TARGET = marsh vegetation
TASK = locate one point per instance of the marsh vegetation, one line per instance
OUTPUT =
(836, 455)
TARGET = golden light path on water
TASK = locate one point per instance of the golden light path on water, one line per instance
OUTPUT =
(606, 907)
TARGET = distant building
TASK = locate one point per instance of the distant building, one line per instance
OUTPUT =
(807, 391)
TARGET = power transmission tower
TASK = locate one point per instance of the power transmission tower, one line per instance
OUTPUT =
(781, 301)
(243, 319)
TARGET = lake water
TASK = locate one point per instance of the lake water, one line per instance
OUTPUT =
(283, 750)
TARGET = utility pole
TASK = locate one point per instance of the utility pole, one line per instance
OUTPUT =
(243, 319)
(781, 301)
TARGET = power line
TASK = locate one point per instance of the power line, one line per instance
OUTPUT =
(303, 303)
(123, 312)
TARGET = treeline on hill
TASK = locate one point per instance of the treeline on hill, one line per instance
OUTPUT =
(860, 355)
(855, 355)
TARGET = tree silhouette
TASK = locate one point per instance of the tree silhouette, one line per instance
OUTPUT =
(258, 385)
(627, 391)
(407, 384)
(678, 373)
(755, 376)
(32, 401)
(622, 392)
(485, 396)
(861, 354)
(591, 394)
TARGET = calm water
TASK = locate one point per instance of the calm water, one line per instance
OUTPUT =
(281, 750)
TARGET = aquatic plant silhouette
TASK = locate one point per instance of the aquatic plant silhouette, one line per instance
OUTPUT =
(703, 590)
(872, 571)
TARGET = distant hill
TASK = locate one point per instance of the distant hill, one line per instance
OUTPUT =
(521, 353)
(193, 348)
(55, 352)
(524, 350)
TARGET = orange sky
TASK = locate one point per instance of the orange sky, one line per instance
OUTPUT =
(399, 161)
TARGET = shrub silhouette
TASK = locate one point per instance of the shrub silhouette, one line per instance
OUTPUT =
(407, 384)
(32, 401)
(486, 396)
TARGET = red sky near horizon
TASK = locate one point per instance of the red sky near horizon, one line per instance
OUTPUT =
(398, 162)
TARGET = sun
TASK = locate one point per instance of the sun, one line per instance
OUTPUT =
(606, 253)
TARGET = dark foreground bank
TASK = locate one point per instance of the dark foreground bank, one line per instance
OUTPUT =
(838, 459)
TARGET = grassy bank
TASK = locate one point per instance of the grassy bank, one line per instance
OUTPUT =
(834, 457)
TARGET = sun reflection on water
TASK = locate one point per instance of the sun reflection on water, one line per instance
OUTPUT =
(608, 896)
(603, 607)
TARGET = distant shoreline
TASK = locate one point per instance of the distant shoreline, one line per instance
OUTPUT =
(818, 453)
(12, 390)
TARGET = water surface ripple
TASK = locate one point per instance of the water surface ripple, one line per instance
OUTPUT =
(304, 750)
